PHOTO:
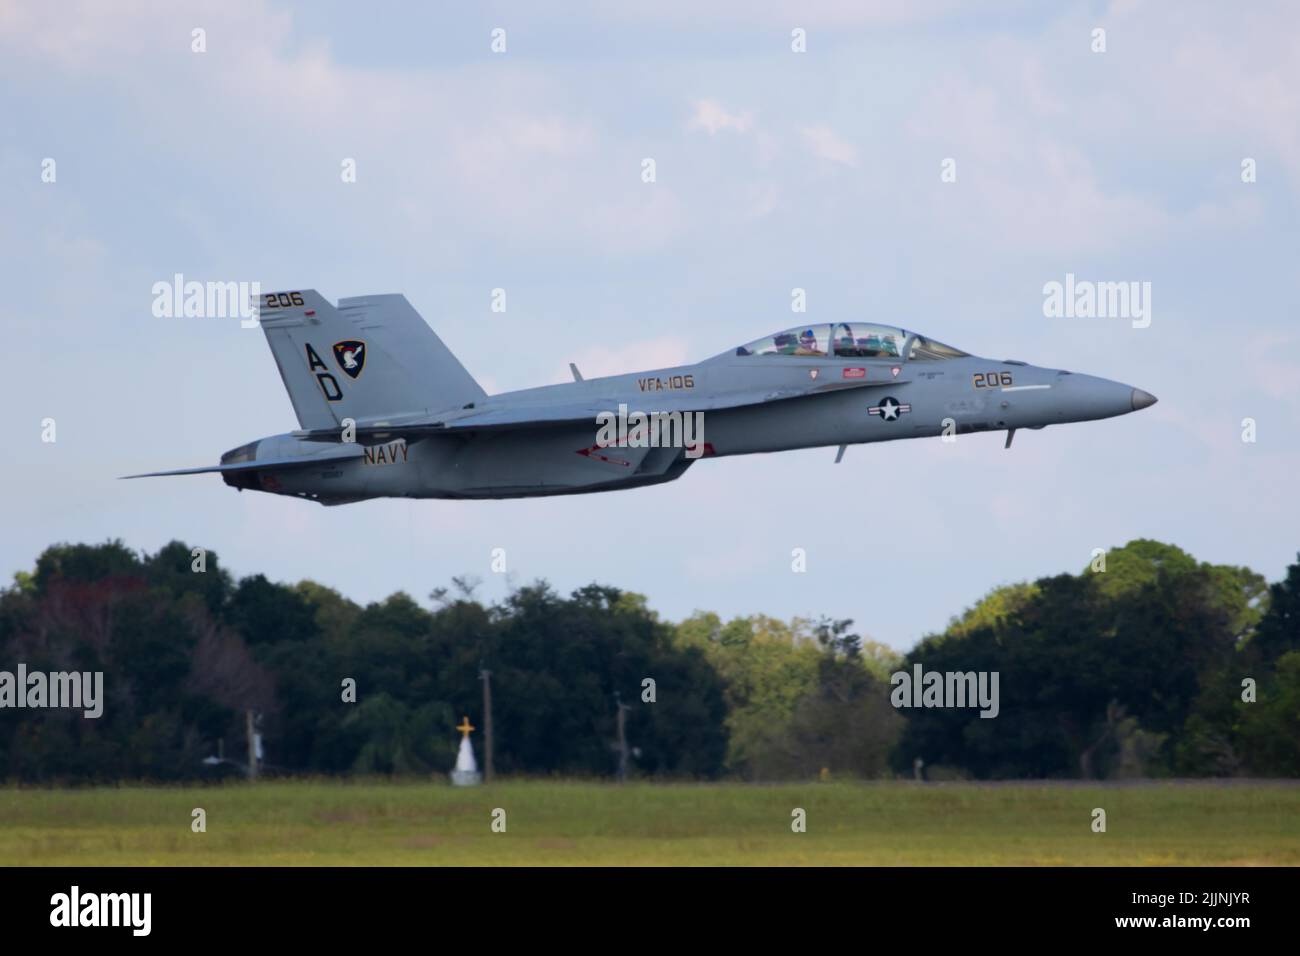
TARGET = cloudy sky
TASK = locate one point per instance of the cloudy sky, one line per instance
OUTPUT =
(775, 170)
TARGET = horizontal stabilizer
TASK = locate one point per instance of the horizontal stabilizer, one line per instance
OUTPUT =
(299, 461)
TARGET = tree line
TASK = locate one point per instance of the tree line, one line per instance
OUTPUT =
(1158, 665)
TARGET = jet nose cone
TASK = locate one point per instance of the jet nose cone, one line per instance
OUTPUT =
(1142, 399)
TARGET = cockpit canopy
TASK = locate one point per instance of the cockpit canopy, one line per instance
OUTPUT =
(851, 340)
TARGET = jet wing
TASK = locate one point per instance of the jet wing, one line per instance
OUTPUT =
(524, 415)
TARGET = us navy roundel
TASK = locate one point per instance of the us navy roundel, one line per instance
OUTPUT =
(351, 356)
(889, 409)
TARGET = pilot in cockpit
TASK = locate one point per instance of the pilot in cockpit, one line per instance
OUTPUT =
(807, 343)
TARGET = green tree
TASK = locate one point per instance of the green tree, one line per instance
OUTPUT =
(1278, 631)
(1269, 728)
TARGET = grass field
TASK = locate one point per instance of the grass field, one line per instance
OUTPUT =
(560, 823)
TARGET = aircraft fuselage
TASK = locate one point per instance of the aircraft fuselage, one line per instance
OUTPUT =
(814, 402)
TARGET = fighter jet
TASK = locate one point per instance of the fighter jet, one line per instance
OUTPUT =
(386, 410)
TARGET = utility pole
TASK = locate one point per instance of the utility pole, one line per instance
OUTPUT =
(622, 737)
(251, 730)
(486, 676)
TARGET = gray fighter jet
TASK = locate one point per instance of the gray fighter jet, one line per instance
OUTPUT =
(386, 410)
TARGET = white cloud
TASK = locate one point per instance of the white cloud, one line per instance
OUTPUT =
(712, 117)
(769, 14)
(826, 144)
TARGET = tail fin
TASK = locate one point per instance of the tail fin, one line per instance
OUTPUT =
(372, 357)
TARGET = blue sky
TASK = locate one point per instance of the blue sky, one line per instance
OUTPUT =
(775, 169)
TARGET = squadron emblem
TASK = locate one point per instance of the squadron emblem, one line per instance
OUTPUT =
(351, 356)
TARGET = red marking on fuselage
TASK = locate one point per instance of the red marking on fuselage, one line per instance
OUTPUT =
(595, 451)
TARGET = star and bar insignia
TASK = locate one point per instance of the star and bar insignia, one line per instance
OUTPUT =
(889, 409)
